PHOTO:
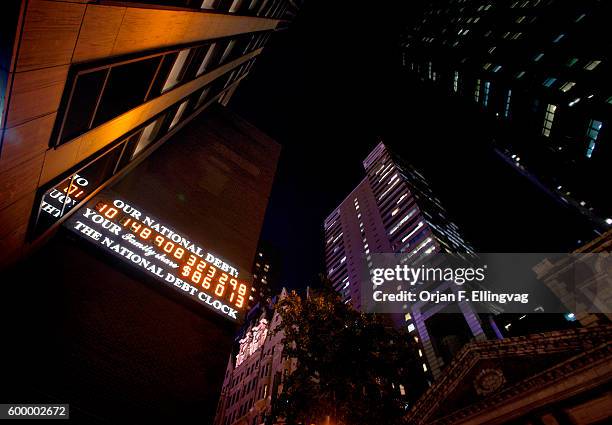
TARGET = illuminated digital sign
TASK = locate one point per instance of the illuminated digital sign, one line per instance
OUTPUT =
(137, 238)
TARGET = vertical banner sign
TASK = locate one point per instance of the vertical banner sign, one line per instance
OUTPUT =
(144, 242)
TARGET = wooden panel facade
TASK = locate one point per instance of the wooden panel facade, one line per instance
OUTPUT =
(57, 34)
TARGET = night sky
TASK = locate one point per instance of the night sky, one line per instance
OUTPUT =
(328, 88)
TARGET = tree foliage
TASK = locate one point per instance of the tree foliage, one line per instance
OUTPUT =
(349, 364)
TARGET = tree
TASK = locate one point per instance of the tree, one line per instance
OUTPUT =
(349, 365)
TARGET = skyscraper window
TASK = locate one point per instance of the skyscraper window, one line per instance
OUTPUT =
(549, 116)
(456, 82)
(592, 133)
(592, 65)
(507, 104)
(549, 81)
(558, 38)
(572, 62)
(567, 86)
(485, 99)
(477, 91)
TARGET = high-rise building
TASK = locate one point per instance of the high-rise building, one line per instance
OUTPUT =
(537, 69)
(88, 89)
(266, 271)
(393, 210)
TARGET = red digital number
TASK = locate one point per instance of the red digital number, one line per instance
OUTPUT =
(196, 277)
(178, 254)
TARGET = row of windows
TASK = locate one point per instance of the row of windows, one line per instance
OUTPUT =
(68, 193)
(481, 96)
(261, 392)
(263, 8)
(98, 94)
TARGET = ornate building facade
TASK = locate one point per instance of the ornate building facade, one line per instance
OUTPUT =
(254, 375)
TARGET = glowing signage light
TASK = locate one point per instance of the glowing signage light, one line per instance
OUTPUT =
(142, 241)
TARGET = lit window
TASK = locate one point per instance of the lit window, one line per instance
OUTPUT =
(567, 86)
(549, 81)
(580, 18)
(572, 62)
(485, 99)
(497, 68)
(573, 102)
(456, 82)
(402, 389)
(411, 327)
(538, 57)
(477, 91)
(424, 367)
(507, 104)
(592, 133)
(609, 100)
(407, 317)
(558, 38)
(591, 65)
(403, 220)
(548, 119)
(519, 75)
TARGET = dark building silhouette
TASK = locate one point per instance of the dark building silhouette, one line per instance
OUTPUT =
(267, 268)
(538, 70)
